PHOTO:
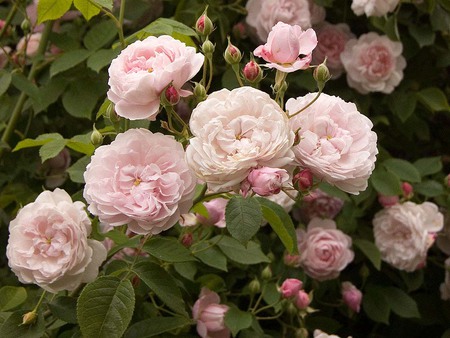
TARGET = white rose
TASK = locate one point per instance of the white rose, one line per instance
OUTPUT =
(373, 7)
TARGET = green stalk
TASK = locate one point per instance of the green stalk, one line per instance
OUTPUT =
(8, 20)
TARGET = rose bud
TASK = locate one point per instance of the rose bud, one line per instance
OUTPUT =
(208, 49)
(303, 180)
(351, 296)
(171, 96)
(302, 300)
(266, 181)
(252, 72)
(321, 74)
(408, 190)
(387, 201)
(290, 287)
(204, 25)
(232, 54)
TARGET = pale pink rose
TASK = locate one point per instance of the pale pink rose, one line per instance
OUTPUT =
(266, 181)
(4, 52)
(290, 287)
(262, 15)
(29, 44)
(445, 287)
(284, 200)
(288, 48)
(291, 260)
(388, 201)
(216, 213)
(373, 7)
(336, 141)
(373, 63)
(141, 72)
(48, 243)
(318, 204)
(324, 250)
(235, 131)
(210, 314)
(140, 179)
(320, 334)
(331, 42)
(402, 233)
(351, 296)
(55, 169)
(302, 300)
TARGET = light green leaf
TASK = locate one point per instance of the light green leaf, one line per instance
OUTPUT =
(401, 303)
(29, 143)
(167, 26)
(237, 320)
(333, 191)
(429, 188)
(162, 284)
(68, 60)
(385, 182)
(105, 307)
(64, 308)
(77, 170)
(11, 297)
(280, 222)
(100, 35)
(168, 250)
(87, 8)
(12, 327)
(5, 81)
(101, 58)
(108, 4)
(243, 217)
(52, 9)
(428, 165)
(79, 144)
(403, 169)
(434, 99)
(211, 256)
(375, 305)
(370, 250)
(155, 326)
(51, 149)
(234, 250)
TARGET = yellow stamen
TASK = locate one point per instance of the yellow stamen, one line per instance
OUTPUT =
(137, 182)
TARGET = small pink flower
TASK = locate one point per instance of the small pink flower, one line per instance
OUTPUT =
(302, 300)
(351, 296)
(290, 287)
(291, 260)
(216, 213)
(408, 190)
(288, 48)
(266, 181)
(303, 180)
(388, 201)
(209, 314)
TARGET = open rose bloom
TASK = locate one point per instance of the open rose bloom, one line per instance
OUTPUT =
(209, 314)
(48, 243)
(373, 7)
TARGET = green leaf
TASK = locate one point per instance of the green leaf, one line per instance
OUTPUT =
(5, 81)
(29, 143)
(117, 236)
(52, 9)
(87, 8)
(237, 252)
(428, 165)
(186, 270)
(168, 26)
(11, 297)
(401, 303)
(333, 191)
(271, 296)
(385, 182)
(370, 250)
(76, 171)
(391, 28)
(101, 59)
(162, 284)
(211, 256)
(64, 308)
(280, 222)
(108, 4)
(100, 35)
(81, 144)
(243, 217)
(375, 305)
(68, 60)
(429, 188)
(424, 35)
(168, 250)
(51, 149)
(24, 85)
(155, 326)
(80, 99)
(105, 307)
(237, 320)
(402, 104)
(434, 99)
(12, 327)
(50, 93)
(403, 169)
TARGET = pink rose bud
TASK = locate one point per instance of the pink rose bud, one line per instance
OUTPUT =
(204, 25)
(387, 201)
(408, 190)
(232, 54)
(302, 300)
(172, 96)
(290, 287)
(351, 296)
(252, 72)
(291, 260)
(303, 180)
(239, 31)
(266, 181)
(187, 239)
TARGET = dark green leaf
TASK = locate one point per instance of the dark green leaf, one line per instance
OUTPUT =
(375, 305)
(24, 85)
(237, 252)
(237, 320)
(68, 60)
(211, 256)
(64, 308)
(5, 81)
(385, 182)
(168, 250)
(424, 35)
(105, 307)
(370, 250)
(401, 303)
(429, 188)
(12, 327)
(52, 9)
(186, 270)
(402, 104)
(333, 191)
(80, 100)
(243, 217)
(101, 58)
(434, 99)
(403, 169)
(167, 26)
(11, 297)
(155, 326)
(428, 165)
(100, 35)
(76, 171)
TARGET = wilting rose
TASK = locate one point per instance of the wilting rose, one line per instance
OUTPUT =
(140, 179)
(235, 131)
(48, 243)
(288, 48)
(324, 250)
(404, 232)
(373, 7)
(351, 296)
(318, 204)
(373, 63)
(209, 314)
(141, 72)
(331, 42)
(336, 141)
(216, 213)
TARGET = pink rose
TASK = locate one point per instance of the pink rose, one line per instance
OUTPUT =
(336, 141)
(373, 7)
(320, 334)
(264, 14)
(318, 204)
(266, 181)
(29, 44)
(235, 131)
(388, 201)
(351, 296)
(373, 63)
(209, 314)
(140, 179)
(331, 42)
(324, 250)
(288, 48)
(404, 232)
(48, 243)
(138, 76)
(302, 300)
(4, 52)
(290, 287)
(216, 213)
